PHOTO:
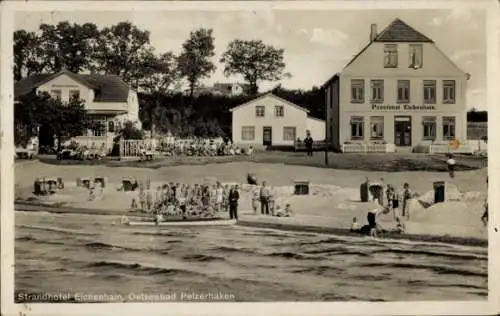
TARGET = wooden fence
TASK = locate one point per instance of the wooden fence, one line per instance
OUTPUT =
(131, 148)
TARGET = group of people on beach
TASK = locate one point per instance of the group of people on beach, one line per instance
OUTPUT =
(397, 200)
(200, 200)
(269, 205)
(389, 200)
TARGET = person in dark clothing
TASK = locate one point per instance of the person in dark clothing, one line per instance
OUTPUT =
(234, 196)
(308, 141)
(265, 195)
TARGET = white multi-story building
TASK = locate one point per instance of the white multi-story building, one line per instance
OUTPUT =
(400, 89)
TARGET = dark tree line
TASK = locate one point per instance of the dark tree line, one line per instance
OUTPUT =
(125, 50)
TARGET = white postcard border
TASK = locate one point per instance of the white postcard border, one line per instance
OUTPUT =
(219, 309)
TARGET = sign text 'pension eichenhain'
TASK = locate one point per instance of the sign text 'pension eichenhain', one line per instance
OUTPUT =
(403, 107)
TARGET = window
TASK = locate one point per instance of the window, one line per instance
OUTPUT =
(357, 91)
(377, 127)
(289, 133)
(260, 111)
(416, 56)
(390, 56)
(248, 133)
(111, 126)
(357, 128)
(429, 126)
(56, 94)
(74, 94)
(448, 128)
(98, 128)
(279, 111)
(403, 91)
(449, 91)
(430, 91)
(377, 91)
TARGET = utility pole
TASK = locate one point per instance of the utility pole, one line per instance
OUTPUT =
(326, 133)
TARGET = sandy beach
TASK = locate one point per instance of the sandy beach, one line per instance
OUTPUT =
(333, 201)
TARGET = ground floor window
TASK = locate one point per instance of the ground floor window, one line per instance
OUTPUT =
(377, 127)
(357, 123)
(248, 133)
(289, 133)
(448, 128)
(98, 126)
(429, 127)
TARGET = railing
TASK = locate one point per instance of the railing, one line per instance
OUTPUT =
(132, 148)
(317, 145)
(367, 148)
(468, 147)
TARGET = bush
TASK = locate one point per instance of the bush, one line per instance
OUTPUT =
(129, 131)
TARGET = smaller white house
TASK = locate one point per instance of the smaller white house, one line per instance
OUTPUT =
(109, 102)
(272, 121)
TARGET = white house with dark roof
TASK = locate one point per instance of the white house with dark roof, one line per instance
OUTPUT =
(108, 100)
(400, 91)
(270, 120)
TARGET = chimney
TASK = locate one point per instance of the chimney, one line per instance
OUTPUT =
(373, 32)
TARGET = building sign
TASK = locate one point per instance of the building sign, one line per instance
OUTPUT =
(403, 107)
(64, 86)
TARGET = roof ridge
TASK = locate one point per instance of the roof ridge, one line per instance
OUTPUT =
(391, 27)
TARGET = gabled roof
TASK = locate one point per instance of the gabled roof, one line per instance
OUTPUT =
(399, 31)
(396, 32)
(107, 88)
(270, 94)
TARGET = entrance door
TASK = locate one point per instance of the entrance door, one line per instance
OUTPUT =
(267, 136)
(402, 131)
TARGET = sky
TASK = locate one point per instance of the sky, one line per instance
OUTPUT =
(317, 44)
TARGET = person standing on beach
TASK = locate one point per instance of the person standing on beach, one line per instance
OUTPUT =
(234, 196)
(406, 200)
(264, 199)
(451, 165)
(308, 141)
(484, 218)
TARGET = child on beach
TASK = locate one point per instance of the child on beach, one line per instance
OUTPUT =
(392, 200)
(451, 165)
(255, 201)
(272, 204)
(400, 227)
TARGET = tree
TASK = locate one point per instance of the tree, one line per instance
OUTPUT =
(194, 61)
(129, 131)
(161, 73)
(255, 61)
(121, 50)
(69, 46)
(26, 59)
(42, 111)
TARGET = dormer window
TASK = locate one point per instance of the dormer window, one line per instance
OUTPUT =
(416, 56)
(390, 56)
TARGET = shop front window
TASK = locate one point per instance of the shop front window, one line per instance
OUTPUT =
(448, 128)
(429, 127)
(357, 128)
(377, 127)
